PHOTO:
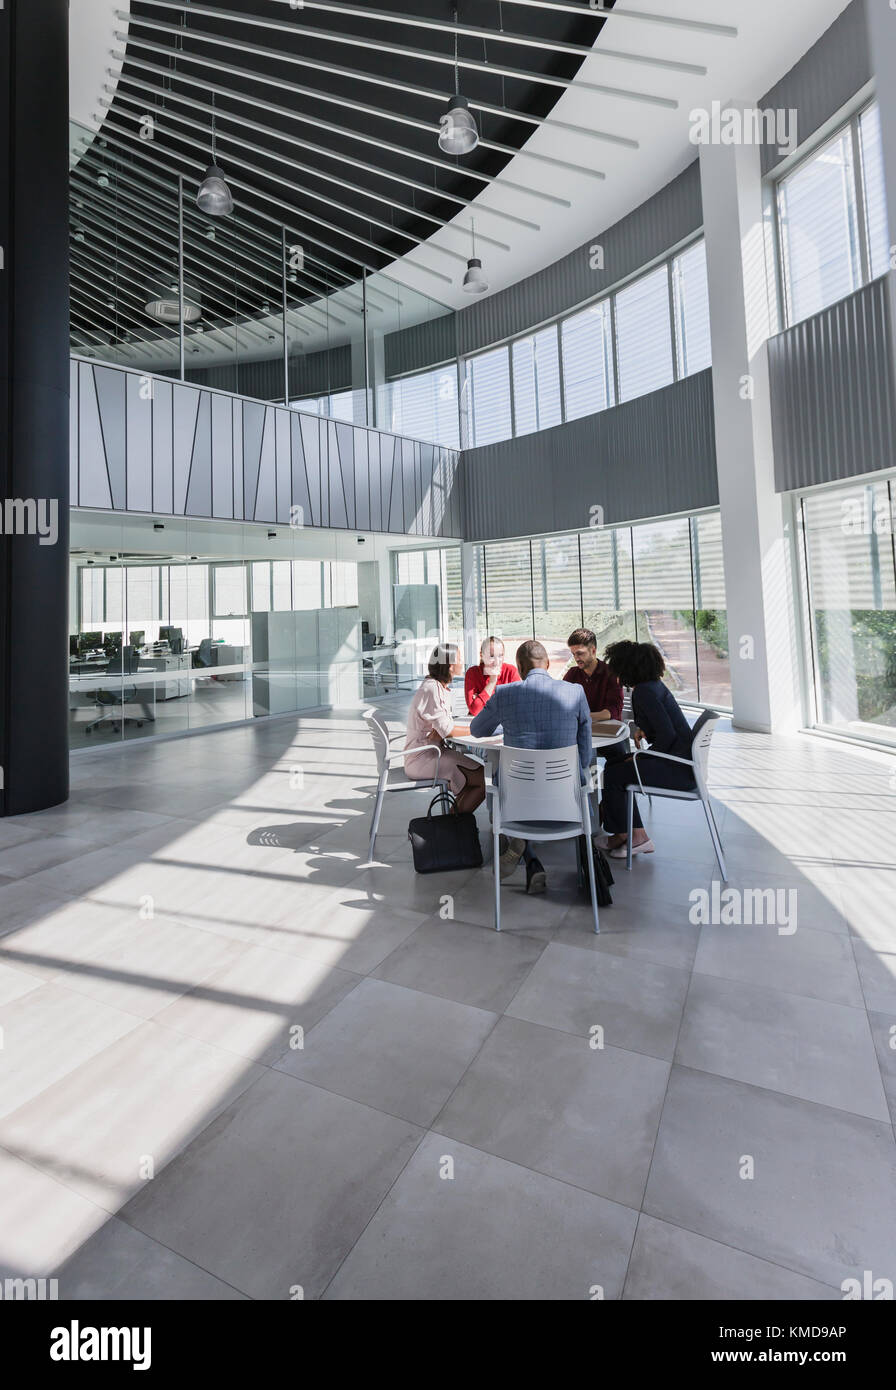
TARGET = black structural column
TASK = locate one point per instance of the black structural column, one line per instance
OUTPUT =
(34, 404)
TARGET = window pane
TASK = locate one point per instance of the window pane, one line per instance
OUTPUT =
(691, 310)
(115, 598)
(644, 335)
(343, 584)
(508, 590)
(536, 381)
(607, 588)
(282, 585)
(665, 601)
(93, 613)
(230, 590)
(711, 615)
(488, 397)
(558, 595)
(852, 590)
(819, 233)
(424, 406)
(261, 586)
(587, 361)
(877, 229)
(306, 575)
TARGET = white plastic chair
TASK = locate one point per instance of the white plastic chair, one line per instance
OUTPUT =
(701, 737)
(386, 756)
(540, 796)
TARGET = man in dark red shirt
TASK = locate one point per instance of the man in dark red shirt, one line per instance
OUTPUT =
(602, 690)
(481, 681)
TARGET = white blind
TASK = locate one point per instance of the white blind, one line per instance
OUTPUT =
(587, 361)
(488, 396)
(644, 335)
(536, 381)
(691, 309)
(662, 553)
(875, 193)
(424, 406)
(819, 230)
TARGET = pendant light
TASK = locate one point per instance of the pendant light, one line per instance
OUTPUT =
(457, 128)
(214, 197)
(474, 281)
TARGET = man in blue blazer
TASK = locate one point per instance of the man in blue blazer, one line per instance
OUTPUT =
(536, 712)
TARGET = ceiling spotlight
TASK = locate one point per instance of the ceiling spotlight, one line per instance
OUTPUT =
(214, 197)
(210, 233)
(103, 181)
(158, 525)
(272, 535)
(458, 133)
(78, 234)
(474, 281)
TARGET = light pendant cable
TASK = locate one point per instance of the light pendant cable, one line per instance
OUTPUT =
(474, 280)
(214, 197)
(458, 133)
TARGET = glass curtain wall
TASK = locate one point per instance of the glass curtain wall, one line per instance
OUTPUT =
(659, 582)
(848, 569)
(194, 637)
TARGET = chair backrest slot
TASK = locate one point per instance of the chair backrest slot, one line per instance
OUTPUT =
(539, 784)
(701, 738)
(380, 736)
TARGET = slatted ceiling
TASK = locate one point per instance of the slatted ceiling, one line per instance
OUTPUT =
(271, 74)
(587, 360)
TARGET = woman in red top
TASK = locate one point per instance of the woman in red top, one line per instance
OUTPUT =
(480, 681)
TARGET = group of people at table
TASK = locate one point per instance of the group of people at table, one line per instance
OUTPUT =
(534, 710)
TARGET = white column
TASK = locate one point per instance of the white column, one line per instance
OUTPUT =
(764, 662)
(468, 590)
(881, 20)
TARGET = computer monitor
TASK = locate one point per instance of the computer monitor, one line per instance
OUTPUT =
(74, 645)
(174, 636)
(112, 641)
(137, 639)
(365, 626)
(91, 641)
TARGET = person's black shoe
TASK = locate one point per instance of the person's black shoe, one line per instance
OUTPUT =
(536, 878)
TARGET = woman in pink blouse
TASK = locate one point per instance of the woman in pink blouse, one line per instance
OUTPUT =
(430, 722)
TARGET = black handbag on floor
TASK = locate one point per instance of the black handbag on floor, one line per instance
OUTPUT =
(445, 842)
(603, 874)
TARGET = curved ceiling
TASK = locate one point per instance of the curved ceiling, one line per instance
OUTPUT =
(326, 121)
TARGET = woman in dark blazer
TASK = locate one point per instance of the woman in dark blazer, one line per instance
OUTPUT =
(659, 720)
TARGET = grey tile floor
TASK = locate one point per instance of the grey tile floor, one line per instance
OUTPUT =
(238, 1062)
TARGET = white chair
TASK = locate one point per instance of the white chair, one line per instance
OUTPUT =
(386, 756)
(540, 796)
(701, 737)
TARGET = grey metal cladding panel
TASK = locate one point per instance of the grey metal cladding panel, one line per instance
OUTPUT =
(393, 462)
(300, 496)
(672, 214)
(253, 431)
(199, 485)
(361, 472)
(408, 465)
(139, 444)
(238, 502)
(342, 483)
(410, 349)
(833, 403)
(266, 492)
(827, 76)
(284, 464)
(646, 458)
(186, 414)
(95, 489)
(375, 446)
(74, 405)
(310, 427)
(162, 446)
(222, 456)
(110, 392)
